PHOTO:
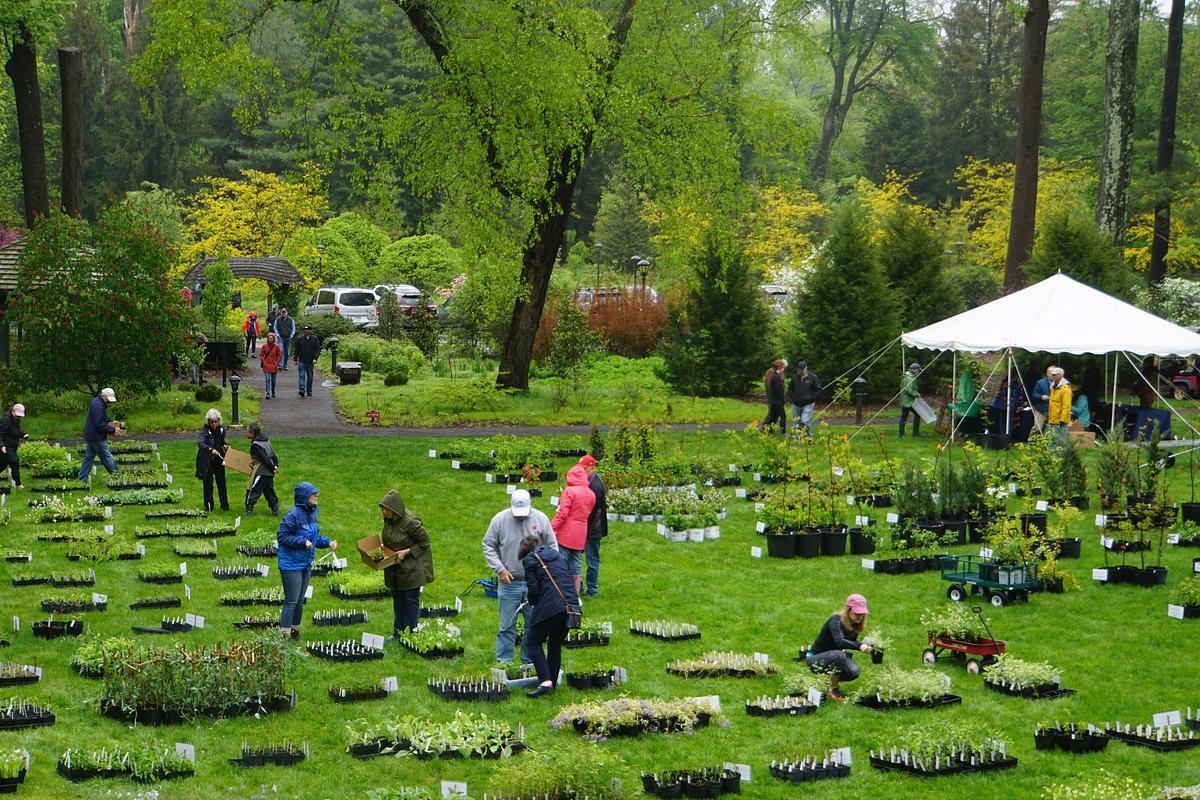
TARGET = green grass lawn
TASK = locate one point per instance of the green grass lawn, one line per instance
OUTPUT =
(1115, 645)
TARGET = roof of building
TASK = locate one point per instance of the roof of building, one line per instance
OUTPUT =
(271, 269)
(10, 256)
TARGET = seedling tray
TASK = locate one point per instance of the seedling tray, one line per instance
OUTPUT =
(338, 695)
(166, 602)
(960, 768)
(795, 711)
(878, 705)
(576, 644)
(1047, 692)
(1152, 743)
(435, 653)
(30, 721)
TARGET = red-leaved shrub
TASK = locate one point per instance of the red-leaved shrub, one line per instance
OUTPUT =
(631, 323)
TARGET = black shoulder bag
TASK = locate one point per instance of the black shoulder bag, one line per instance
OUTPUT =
(574, 612)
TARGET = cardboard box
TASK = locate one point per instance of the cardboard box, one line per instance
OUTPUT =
(367, 545)
(1082, 439)
(238, 461)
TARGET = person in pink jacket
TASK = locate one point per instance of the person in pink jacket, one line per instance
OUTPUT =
(570, 524)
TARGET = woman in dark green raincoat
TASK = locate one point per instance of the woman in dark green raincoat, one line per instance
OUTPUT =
(404, 533)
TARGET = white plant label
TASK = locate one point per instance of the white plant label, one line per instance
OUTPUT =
(237, 523)
(1106, 542)
(16, 623)
(758, 477)
(338, 563)
(99, 599)
(842, 756)
(154, 447)
(620, 675)
(1175, 612)
(455, 464)
(1167, 719)
(739, 493)
(761, 658)
(108, 529)
(1100, 575)
(1173, 538)
(391, 684)
(760, 526)
(308, 593)
(755, 552)
(186, 750)
(850, 500)
(741, 769)
(838, 472)
(433, 453)
(164, 465)
(108, 512)
(815, 697)
(893, 517)
(862, 521)
(1101, 520)
(661, 529)
(1196, 566)
(263, 570)
(489, 478)
(1012, 488)
(1042, 505)
(453, 789)
(758, 507)
(141, 549)
(499, 675)
(733, 467)
(183, 568)
(458, 604)
(985, 552)
(713, 701)
(187, 592)
(510, 488)
(170, 479)
(195, 620)
(372, 640)
(868, 563)
(554, 500)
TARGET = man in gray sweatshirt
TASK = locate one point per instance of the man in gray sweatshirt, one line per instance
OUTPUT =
(500, 545)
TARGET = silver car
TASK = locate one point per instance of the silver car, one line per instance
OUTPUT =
(354, 303)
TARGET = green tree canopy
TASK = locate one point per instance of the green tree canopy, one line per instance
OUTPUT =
(428, 262)
(365, 236)
(325, 256)
(1072, 246)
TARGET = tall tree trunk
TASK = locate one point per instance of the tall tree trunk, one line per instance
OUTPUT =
(1116, 153)
(131, 18)
(70, 71)
(831, 125)
(1029, 134)
(1166, 142)
(22, 69)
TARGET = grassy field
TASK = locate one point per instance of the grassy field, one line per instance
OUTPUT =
(1115, 645)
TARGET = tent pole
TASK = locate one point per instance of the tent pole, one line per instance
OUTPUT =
(953, 390)
(1008, 397)
(1112, 422)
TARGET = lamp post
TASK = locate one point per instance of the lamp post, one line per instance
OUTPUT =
(643, 269)
(332, 344)
(234, 382)
(860, 394)
(596, 259)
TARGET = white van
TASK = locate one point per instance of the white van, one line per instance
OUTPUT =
(354, 303)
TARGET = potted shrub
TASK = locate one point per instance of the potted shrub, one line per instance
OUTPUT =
(1186, 595)
(1112, 471)
(1074, 477)
(1030, 679)
(892, 687)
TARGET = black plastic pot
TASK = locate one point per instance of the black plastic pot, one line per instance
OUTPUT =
(876, 656)
(997, 441)
(1147, 577)
(833, 542)
(1081, 502)
(1069, 548)
(861, 544)
(782, 545)
(956, 526)
(808, 545)
(976, 530)
(1032, 522)
(1190, 512)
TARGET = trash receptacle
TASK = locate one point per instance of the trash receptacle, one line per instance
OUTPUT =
(349, 372)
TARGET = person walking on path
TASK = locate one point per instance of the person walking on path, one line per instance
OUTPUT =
(1059, 410)
(776, 396)
(804, 392)
(11, 437)
(285, 331)
(597, 524)
(306, 350)
(551, 589)
(910, 390)
(297, 537)
(501, 550)
(272, 315)
(210, 459)
(1039, 399)
(262, 482)
(829, 652)
(96, 429)
(404, 533)
(570, 524)
(268, 359)
(251, 329)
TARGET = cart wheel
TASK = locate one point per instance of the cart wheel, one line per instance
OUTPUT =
(973, 666)
(929, 657)
(997, 599)
(956, 592)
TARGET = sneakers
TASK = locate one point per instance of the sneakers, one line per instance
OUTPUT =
(836, 695)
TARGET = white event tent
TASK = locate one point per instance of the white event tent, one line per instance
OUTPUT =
(1057, 315)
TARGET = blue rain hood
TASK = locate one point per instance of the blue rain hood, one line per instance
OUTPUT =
(304, 490)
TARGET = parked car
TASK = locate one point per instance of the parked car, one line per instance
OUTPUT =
(777, 297)
(352, 302)
(408, 297)
(585, 297)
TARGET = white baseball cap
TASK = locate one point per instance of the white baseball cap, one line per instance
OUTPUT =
(520, 503)
(108, 394)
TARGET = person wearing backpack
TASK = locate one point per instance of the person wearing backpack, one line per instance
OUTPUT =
(285, 330)
(251, 329)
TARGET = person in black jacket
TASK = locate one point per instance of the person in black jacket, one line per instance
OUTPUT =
(262, 483)
(210, 459)
(804, 391)
(776, 395)
(597, 525)
(829, 653)
(550, 587)
(305, 350)
(10, 439)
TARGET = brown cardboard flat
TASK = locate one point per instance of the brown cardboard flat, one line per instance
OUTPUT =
(365, 546)
(238, 461)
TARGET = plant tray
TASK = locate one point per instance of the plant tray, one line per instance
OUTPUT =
(54, 629)
(438, 611)
(366, 596)
(715, 672)
(875, 703)
(809, 774)
(162, 716)
(271, 758)
(250, 601)
(681, 638)
(71, 583)
(1047, 692)
(795, 711)
(435, 653)
(243, 625)
(234, 574)
(165, 602)
(194, 555)
(120, 557)
(58, 489)
(161, 579)
(594, 641)
(20, 680)
(961, 768)
(1078, 741)
(493, 694)
(259, 552)
(59, 607)
(342, 696)
(663, 725)
(1152, 743)
(158, 630)
(354, 653)
(178, 513)
(29, 721)
(9, 785)
(583, 682)
(18, 559)
(37, 581)
(322, 569)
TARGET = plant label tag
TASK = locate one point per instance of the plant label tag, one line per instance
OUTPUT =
(760, 526)
(862, 521)
(195, 620)
(1101, 520)
(838, 472)
(456, 464)
(26, 752)
(554, 500)
(733, 467)
(16, 623)
(1100, 575)
(186, 750)
(391, 684)
(237, 523)
(1196, 565)
(372, 640)
(99, 599)
(815, 697)
(758, 477)
(1107, 542)
(713, 701)
(755, 552)
(1167, 719)
(739, 493)
(893, 517)
(154, 447)
(488, 477)
(183, 568)
(1012, 488)
(263, 569)
(108, 530)
(758, 507)
(338, 563)
(1173, 538)
(187, 592)
(458, 604)
(1042, 505)
(850, 500)
(108, 512)
(433, 453)
(141, 549)
(453, 789)
(170, 479)
(742, 770)
(868, 563)
(761, 658)
(1175, 612)
(308, 593)
(842, 756)
(985, 552)
(620, 675)
(510, 488)
(661, 529)
(3, 499)
(164, 465)
(37, 671)
(936, 497)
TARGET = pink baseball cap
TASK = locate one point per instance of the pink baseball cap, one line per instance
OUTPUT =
(587, 461)
(857, 603)
(18, 410)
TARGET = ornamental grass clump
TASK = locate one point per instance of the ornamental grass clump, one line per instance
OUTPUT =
(195, 548)
(250, 597)
(569, 769)
(108, 548)
(953, 621)
(1018, 675)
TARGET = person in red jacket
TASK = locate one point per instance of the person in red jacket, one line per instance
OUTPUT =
(570, 524)
(251, 328)
(268, 359)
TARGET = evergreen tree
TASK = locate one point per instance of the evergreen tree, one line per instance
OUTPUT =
(620, 228)
(846, 311)
(716, 342)
(218, 289)
(1072, 246)
(362, 234)
(914, 262)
